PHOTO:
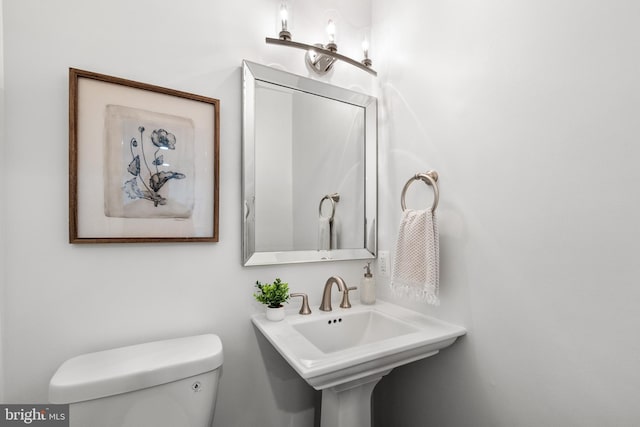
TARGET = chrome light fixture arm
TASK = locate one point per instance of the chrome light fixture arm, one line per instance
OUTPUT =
(324, 57)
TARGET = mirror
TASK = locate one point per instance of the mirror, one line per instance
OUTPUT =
(309, 169)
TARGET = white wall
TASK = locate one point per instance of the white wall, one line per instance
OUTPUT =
(62, 299)
(529, 112)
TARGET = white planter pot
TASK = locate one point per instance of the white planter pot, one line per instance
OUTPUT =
(275, 314)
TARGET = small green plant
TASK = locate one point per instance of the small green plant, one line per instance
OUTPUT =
(272, 294)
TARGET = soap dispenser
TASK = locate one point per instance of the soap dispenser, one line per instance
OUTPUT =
(368, 287)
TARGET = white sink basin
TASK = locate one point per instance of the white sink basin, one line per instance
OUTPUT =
(329, 349)
(351, 329)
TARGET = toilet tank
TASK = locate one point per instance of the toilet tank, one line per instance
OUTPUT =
(163, 383)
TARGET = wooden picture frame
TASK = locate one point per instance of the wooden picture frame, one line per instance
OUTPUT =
(144, 162)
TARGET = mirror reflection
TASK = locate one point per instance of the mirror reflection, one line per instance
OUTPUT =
(309, 169)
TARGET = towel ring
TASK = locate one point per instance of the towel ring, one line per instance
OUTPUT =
(429, 178)
(333, 198)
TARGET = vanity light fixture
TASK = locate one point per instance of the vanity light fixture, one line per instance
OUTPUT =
(320, 58)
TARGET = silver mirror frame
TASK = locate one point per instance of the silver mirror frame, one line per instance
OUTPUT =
(253, 73)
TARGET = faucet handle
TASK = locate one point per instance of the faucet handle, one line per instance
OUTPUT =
(305, 303)
(345, 297)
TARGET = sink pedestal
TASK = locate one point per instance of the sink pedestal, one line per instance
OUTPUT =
(349, 404)
(345, 353)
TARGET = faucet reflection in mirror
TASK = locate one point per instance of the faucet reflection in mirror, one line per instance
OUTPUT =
(319, 58)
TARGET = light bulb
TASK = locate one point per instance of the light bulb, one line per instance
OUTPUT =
(284, 22)
(284, 16)
(331, 31)
(365, 48)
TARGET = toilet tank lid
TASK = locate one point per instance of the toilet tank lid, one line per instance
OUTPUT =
(125, 369)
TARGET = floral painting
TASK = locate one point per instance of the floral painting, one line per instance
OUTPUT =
(149, 164)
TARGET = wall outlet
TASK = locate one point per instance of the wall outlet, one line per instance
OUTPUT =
(383, 263)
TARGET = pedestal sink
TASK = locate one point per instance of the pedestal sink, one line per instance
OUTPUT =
(345, 352)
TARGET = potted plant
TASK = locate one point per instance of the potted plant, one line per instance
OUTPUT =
(273, 295)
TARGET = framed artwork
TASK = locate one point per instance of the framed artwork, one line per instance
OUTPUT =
(143, 162)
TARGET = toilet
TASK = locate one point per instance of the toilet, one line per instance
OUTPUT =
(157, 384)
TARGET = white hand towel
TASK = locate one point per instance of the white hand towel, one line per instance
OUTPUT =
(416, 265)
(327, 234)
(335, 232)
(324, 233)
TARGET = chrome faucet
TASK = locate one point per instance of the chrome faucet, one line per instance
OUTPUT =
(325, 305)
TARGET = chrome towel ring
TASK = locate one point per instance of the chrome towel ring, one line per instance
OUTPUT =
(429, 178)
